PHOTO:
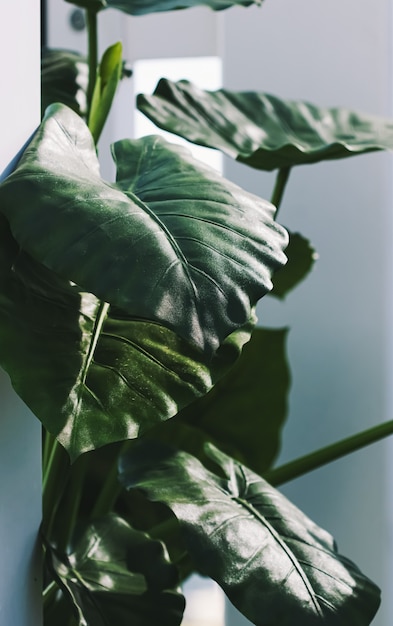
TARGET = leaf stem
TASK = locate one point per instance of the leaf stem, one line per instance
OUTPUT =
(279, 187)
(54, 480)
(49, 593)
(53, 454)
(92, 54)
(68, 513)
(110, 490)
(47, 451)
(320, 457)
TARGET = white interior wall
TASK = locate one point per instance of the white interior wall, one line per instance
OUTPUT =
(20, 432)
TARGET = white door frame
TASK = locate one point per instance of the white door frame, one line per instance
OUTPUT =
(20, 432)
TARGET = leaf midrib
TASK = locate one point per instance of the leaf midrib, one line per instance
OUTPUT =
(284, 547)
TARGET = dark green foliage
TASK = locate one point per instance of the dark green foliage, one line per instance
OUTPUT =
(169, 218)
(272, 561)
(144, 7)
(261, 130)
(125, 304)
(130, 350)
(64, 78)
(245, 411)
(118, 575)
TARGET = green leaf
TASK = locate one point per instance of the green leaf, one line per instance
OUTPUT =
(101, 492)
(143, 7)
(64, 78)
(261, 130)
(92, 374)
(301, 258)
(90, 5)
(274, 563)
(117, 575)
(185, 259)
(108, 77)
(245, 411)
(174, 243)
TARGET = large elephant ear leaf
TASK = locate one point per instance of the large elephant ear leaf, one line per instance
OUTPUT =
(144, 7)
(168, 278)
(173, 243)
(90, 5)
(273, 562)
(89, 372)
(118, 575)
(262, 130)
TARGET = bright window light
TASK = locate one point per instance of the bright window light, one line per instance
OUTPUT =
(204, 72)
(205, 603)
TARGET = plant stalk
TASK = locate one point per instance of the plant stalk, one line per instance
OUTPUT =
(54, 480)
(54, 466)
(69, 507)
(92, 54)
(110, 490)
(47, 451)
(321, 457)
(49, 593)
(279, 187)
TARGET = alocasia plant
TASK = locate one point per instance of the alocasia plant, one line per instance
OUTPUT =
(124, 311)
(274, 133)
(270, 559)
(168, 221)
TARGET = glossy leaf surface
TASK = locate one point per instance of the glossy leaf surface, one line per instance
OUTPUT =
(90, 5)
(174, 243)
(64, 78)
(93, 374)
(274, 563)
(117, 575)
(224, 245)
(301, 258)
(108, 77)
(144, 7)
(262, 130)
(245, 410)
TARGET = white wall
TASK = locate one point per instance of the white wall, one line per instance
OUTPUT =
(20, 433)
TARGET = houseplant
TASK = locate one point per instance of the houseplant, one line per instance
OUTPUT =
(86, 552)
